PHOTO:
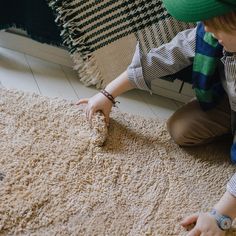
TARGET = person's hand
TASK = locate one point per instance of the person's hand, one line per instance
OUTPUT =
(96, 103)
(205, 225)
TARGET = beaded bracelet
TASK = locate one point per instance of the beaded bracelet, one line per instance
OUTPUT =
(109, 96)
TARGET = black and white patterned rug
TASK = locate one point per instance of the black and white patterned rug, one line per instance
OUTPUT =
(101, 35)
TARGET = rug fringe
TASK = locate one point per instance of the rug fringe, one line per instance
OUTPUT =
(88, 70)
(75, 40)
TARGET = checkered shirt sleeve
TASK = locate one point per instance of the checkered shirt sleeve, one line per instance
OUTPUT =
(165, 60)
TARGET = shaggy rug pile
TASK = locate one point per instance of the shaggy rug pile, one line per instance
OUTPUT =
(59, 175)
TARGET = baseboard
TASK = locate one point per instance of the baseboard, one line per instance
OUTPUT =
(176, 89)
(33, 48)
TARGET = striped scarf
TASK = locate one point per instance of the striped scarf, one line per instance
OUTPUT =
(206, 79)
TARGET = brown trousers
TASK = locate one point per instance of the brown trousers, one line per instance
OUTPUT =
(190, 126)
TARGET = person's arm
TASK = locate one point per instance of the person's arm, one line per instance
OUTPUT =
(164, 60)
(100, 102)
(206, 222)
(120, 85)
(227, 205)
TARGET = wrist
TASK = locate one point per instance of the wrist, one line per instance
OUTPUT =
(111, 91)
(109, 97)
(119, 85)
(227, 205)
(224, 222)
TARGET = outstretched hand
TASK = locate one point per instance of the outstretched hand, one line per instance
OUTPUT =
(205, 225)
(96, 103)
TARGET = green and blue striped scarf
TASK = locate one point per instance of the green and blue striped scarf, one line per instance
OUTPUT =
(205, 77)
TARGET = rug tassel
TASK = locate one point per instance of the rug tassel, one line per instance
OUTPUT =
(88, 70)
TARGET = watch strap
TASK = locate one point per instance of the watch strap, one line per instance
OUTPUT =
(221, 220)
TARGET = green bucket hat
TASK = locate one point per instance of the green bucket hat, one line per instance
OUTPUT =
(198, 10)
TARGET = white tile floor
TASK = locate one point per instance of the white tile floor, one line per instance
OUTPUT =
(27, 73)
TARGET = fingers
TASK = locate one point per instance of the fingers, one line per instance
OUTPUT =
(190, 220)
(92, 107)
(90, 114)
(194, 232)
(82, 101)
(88, 111)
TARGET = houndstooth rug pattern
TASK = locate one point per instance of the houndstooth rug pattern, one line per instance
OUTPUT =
(101, 35)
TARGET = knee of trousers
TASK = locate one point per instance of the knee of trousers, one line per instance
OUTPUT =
(179, 131)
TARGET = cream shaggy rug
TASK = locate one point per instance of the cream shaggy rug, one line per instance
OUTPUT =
(57, 179)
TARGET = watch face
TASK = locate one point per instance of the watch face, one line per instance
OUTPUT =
(225, 223)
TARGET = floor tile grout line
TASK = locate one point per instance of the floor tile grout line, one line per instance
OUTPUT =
(68, 79)
(25, 55)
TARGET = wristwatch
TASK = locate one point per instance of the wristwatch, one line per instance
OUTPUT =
(224, 222)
